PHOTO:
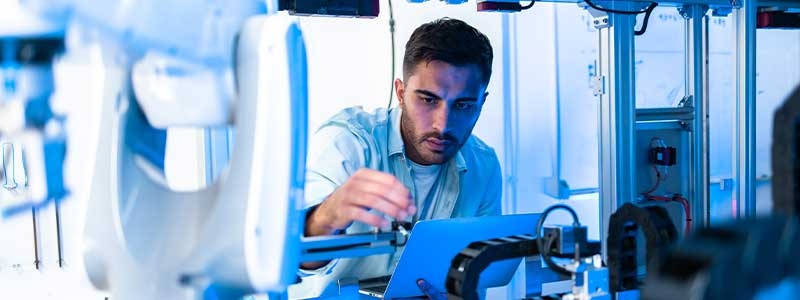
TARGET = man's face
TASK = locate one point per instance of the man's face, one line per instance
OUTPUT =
(440, 105)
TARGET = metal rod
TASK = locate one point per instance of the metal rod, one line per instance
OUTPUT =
(36, 260)
(617, 118)
(744, 160)
(347, 253)
(584, 191)
(707, 125)
(321, 248)
(557, 104)
(334, 241)
(696, 81)
(665, 114)
(516, 287)
(59, 238)
(510, 110)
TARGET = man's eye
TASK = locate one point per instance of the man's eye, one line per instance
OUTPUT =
(464, 105)
(428, 100)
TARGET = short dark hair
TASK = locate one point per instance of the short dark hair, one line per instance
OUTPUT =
(449, 40)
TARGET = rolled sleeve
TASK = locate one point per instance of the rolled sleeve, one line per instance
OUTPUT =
(334, 155)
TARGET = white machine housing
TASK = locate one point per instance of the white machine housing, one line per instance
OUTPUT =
(144, 241)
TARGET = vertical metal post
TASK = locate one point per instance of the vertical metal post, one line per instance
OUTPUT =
(744, 159)
(517, 287)
(557, 105)
(59, 236)
(617, 117)
(511, 120)
(36, 255)
(696, 35)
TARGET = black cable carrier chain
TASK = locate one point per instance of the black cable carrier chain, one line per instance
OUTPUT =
(659, 232)
(467, 265)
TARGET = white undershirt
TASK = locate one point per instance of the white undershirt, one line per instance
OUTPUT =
(425, 179)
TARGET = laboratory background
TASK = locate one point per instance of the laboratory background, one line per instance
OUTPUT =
(157, 149)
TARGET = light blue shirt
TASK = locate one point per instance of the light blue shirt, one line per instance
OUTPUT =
(470, 183)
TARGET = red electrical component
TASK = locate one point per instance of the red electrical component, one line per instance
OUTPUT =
(778, 19)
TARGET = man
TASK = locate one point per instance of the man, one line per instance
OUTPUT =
(415, 162)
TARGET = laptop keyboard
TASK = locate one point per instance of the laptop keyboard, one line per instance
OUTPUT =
(374, 286)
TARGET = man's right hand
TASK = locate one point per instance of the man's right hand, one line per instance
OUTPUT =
(364, 191)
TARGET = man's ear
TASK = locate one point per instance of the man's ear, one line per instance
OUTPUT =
(399, 89)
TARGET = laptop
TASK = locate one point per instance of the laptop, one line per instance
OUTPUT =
(432, 246)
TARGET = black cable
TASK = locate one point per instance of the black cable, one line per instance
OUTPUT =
(524, 7)
(544, 248)
(647, 13)
(391, 32)
(608, 10)
(549, 260)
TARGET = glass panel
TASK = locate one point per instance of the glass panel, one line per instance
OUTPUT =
(722, 101)
(577, 107)
(660, 64)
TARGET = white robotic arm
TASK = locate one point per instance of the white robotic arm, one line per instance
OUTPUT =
(237, 236)
(242, 233)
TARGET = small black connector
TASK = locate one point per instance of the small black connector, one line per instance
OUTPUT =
(332, 8)
(565, 238)
(499, 6)
(663, 156)
(503, 6)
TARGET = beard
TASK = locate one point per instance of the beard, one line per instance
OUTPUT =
(429, 147)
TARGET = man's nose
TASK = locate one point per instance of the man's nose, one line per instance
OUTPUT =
(441, 116)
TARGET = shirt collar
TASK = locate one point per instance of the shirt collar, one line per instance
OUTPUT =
(396, 139)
